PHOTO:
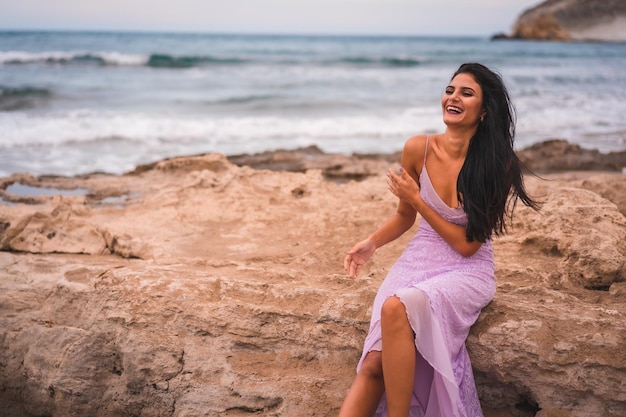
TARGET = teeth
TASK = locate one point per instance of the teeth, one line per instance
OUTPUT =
(454, 109)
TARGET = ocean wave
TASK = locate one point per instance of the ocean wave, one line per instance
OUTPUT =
(69, 58)
(383, 61)
(164, 60)
(81, 141)
(113, 59)
(171, 61)
(76, 127)
(17, 98)
(245, 99)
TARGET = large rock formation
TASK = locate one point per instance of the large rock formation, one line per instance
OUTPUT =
(194, 287)
(578, 20)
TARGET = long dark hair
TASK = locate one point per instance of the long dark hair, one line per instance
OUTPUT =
(491, 179)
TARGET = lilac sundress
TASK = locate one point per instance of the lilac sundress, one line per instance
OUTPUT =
(444, 293)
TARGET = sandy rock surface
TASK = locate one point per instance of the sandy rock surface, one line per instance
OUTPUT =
(196, 287)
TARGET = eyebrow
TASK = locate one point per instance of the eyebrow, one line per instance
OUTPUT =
(462, 88)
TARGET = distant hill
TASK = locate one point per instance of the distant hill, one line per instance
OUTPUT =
(573, 20)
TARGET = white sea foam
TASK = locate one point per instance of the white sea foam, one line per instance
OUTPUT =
(83, 142)
(117, 58)
(81, 136)
(111, 101)
(22, 130)
(109, 58)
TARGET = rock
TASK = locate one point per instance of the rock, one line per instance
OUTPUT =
(60, 230)
(499, 35)
(335, 167)
(216, 289)
(551, 357)
(573, 20)
(585, 231)
(552, 412)
(558, 155)
(210, 162)
(618, 289)
(550, 156)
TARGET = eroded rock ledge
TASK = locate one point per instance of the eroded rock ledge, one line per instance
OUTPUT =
(197, 287)
(573, 20)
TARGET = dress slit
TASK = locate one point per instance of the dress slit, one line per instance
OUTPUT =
(443, 293)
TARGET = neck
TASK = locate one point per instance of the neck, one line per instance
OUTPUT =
(456, 141)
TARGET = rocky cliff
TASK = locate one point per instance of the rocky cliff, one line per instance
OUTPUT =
(196, 287)
(575, 20)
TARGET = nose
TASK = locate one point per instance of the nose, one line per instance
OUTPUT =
(453, 99)
(455, 95)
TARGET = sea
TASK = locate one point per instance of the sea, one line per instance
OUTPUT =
(80, 102)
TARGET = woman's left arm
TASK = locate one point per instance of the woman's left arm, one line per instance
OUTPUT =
(405, 188)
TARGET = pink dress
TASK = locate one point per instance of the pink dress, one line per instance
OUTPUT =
(444, 293)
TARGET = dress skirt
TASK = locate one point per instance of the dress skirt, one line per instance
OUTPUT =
(443, 293)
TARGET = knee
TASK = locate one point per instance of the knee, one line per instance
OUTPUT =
(393, 310)
(372, 366)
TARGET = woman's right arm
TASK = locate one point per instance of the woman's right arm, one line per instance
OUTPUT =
(401, 221)
(393, 228)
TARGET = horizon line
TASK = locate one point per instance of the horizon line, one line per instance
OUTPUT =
(250, 33)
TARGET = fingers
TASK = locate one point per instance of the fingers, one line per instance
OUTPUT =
(397, 183)
(354, 269)
(346, 262)
(401, 182)
(351, 266)
(392, 182)
(401, 177)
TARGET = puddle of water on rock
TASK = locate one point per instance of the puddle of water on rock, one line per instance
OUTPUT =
(22, 190)
(7, 203)
(29, 191)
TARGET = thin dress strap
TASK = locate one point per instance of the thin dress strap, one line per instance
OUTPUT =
(426, 150)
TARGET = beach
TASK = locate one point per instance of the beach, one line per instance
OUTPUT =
(175, 209)
(209, 286)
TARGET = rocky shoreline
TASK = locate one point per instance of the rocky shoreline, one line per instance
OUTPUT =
(213, 286)
(571, 20)
(547, 157)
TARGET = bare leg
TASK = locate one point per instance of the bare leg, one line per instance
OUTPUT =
(366, 390)
(398, 357)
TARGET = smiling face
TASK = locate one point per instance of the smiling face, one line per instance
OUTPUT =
(462, 102)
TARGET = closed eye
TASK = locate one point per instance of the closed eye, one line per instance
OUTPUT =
(465, 91)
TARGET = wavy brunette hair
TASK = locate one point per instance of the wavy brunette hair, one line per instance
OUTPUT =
(491, 179)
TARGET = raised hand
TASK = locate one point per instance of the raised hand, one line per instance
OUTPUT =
(403, 186)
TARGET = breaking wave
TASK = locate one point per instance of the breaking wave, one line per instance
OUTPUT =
(158, 60)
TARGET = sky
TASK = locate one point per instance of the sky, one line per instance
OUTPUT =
(384, 17)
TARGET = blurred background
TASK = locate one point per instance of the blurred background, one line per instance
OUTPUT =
(106, 86)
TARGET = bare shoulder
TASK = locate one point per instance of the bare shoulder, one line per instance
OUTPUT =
(413, 153)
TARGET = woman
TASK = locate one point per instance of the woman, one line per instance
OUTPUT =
(464, 184)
